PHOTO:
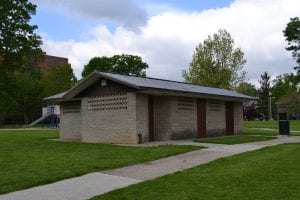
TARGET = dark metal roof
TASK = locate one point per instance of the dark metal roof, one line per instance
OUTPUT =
(154, 83)
(146, 83)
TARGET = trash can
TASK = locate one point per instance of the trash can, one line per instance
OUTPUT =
(284, 127)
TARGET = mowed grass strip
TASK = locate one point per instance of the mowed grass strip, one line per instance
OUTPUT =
(239, 139)
(269, 173)
(28, 159)
(254, 131)
(252, 128)
(294, 124)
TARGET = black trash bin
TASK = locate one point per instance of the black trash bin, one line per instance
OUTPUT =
(284, 127)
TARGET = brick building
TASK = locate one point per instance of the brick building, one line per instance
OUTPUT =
(47, 62)
(113, 108)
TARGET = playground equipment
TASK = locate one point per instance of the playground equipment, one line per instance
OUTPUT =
(50, 117)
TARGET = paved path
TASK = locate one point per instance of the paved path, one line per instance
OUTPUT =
(97, 183)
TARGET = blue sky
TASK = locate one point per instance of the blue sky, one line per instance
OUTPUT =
(60, 25)
(165, 33)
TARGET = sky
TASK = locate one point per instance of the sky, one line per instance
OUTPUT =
(165, 33)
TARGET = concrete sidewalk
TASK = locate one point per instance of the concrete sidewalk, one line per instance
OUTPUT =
(93, 184)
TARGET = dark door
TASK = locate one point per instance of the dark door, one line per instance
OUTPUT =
(151, 118)
(201, 117)
(229, 118)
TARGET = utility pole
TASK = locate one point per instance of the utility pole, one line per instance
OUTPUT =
(270, 105)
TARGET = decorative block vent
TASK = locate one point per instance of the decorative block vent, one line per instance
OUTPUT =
(113, 102)
(214, 106)
(185, 103)
(75, 108)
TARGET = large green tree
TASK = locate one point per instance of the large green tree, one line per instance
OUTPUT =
(26, 96)
(284, 85)
(264, 92)
(58, 79)
(292, 35)
(19, 45)
(247, 89)
(19, 49)
(217, 63)
(123, 64)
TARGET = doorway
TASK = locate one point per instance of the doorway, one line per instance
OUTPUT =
(201, 118)
(229, 114)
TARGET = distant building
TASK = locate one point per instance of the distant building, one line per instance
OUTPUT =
(289, 107)
(47, 62)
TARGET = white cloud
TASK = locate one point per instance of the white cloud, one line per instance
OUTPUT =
(123, 12)
(168, 39)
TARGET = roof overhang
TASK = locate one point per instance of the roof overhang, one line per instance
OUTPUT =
(96, 75)
(162, 92)
(85, 83)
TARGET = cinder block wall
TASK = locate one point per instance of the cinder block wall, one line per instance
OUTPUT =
(183, 119)
(142, 117)
(238, 118)
(162, 122)
(70, 124)
(110, 125)
(215, 118)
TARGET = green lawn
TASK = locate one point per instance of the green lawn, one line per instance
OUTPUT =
(249, 127)
(239, 139)
(28, 159)
(294, 124)
(269, 173)
(252, 131)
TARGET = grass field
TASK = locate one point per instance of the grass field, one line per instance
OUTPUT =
(249, 127)
(28, 159)
(294, 124)
(270, 173)
(236, 139)
(252, 131)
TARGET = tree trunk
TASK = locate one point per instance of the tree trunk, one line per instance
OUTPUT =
(26, 118)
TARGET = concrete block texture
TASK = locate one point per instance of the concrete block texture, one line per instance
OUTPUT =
(109, 125)
(142, 117)
(121, 118)
(162, 121)
(238, 118)
(70, 123)
(215, 118)
(183, 118)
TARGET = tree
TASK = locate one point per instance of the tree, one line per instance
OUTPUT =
(217, 63)
(247, 89)
(19, 45)
(123, 64)
(284, 85)
(264, 94)
(26, 97)
(19, 48)
(59, 79)
(292, 35)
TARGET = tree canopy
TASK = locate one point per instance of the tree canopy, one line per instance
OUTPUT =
(217, 63)
(26, 96)
(19, 45)
(264, 93)
(284, 85)
(123, 64)
(59, 79)
(19, 49)
(247, 89)
(292, 35)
